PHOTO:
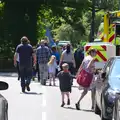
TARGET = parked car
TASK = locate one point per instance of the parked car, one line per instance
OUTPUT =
(107, 99)
(3, 102)
(63, 43)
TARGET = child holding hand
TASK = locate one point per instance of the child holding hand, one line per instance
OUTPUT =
(65, 83)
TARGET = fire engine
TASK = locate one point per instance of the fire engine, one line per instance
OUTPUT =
(109, 35)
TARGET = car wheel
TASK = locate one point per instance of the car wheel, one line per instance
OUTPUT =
(102, 118)
(97, 110)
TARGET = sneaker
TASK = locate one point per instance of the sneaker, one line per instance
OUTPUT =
(62, 105)
(28, 88)
(77, 106)
(68, 102)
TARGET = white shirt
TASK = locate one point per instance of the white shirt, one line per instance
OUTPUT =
(52, 67)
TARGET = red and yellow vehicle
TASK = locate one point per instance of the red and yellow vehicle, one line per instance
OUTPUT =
(109, 35)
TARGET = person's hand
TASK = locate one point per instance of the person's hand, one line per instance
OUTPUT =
(34, 66)
(15, 64)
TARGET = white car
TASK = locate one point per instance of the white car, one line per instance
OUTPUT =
(63, 43)
(3, 102)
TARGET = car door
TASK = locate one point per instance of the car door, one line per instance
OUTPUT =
(102, 84)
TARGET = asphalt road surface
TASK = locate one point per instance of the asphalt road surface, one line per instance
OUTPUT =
(43, 102)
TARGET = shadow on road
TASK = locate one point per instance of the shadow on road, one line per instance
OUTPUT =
(78, 110)
(87, 110)
(8, 74)
(70, 108)
(32, 93)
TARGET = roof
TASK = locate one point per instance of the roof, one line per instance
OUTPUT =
(98, 43)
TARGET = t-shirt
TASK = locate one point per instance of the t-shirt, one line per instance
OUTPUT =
(67, 57)
(25, 54)
(86, 61)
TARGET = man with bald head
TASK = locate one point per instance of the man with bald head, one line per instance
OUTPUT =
(43, 55)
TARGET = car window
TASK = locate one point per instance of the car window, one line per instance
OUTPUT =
(108, 66)
(116, 69)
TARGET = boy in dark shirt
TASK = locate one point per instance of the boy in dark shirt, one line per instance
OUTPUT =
(65, 83)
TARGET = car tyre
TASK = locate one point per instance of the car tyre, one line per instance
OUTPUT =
(102, 118)
(97, 110)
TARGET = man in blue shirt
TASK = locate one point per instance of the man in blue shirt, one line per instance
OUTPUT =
(26, 53)
(43, 55)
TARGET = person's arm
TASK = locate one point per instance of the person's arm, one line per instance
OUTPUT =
(34, 59)
(16, 55)
(15, 58)
(61, 59)
(80, 68)
(73, 59)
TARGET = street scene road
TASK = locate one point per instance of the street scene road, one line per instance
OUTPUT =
(43, 102)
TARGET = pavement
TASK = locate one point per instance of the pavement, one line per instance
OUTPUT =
(43, 102)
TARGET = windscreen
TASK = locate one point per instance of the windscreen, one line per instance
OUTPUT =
(116, 69)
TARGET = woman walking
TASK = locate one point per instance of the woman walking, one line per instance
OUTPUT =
(87, 65)
(68, 57)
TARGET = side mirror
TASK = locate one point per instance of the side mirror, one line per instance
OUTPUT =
(3, 85)
(103, 75)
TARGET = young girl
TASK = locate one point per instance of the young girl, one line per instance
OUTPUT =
(52, 66)
(65, 83)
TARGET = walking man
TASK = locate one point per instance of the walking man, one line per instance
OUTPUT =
(26, 53)
(43, 55)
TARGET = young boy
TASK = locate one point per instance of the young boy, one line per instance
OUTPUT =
(65, 83)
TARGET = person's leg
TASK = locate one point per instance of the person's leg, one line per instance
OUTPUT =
(38, 71)
(18, 70)
(81, 97)
(50, 78)
(68, 98)
(22, 74)
(93, 97)
(28, 77)
(45, 73)
(41, 70)
(54, 79)
(63, 97)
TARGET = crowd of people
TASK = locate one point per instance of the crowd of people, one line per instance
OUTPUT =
(49, 63)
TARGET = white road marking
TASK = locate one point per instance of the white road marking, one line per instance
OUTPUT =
(44, 97)
(44, 116)
(44, 103)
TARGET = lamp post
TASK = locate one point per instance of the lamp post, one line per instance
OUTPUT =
(93, 22)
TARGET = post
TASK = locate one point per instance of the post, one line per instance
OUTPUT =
(93, 22)
(119, 5)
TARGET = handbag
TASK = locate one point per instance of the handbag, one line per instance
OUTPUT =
(84, 78)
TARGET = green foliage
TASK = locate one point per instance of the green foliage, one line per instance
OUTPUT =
(66, 32)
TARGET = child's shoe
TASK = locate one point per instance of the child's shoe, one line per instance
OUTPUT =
(62, 105)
